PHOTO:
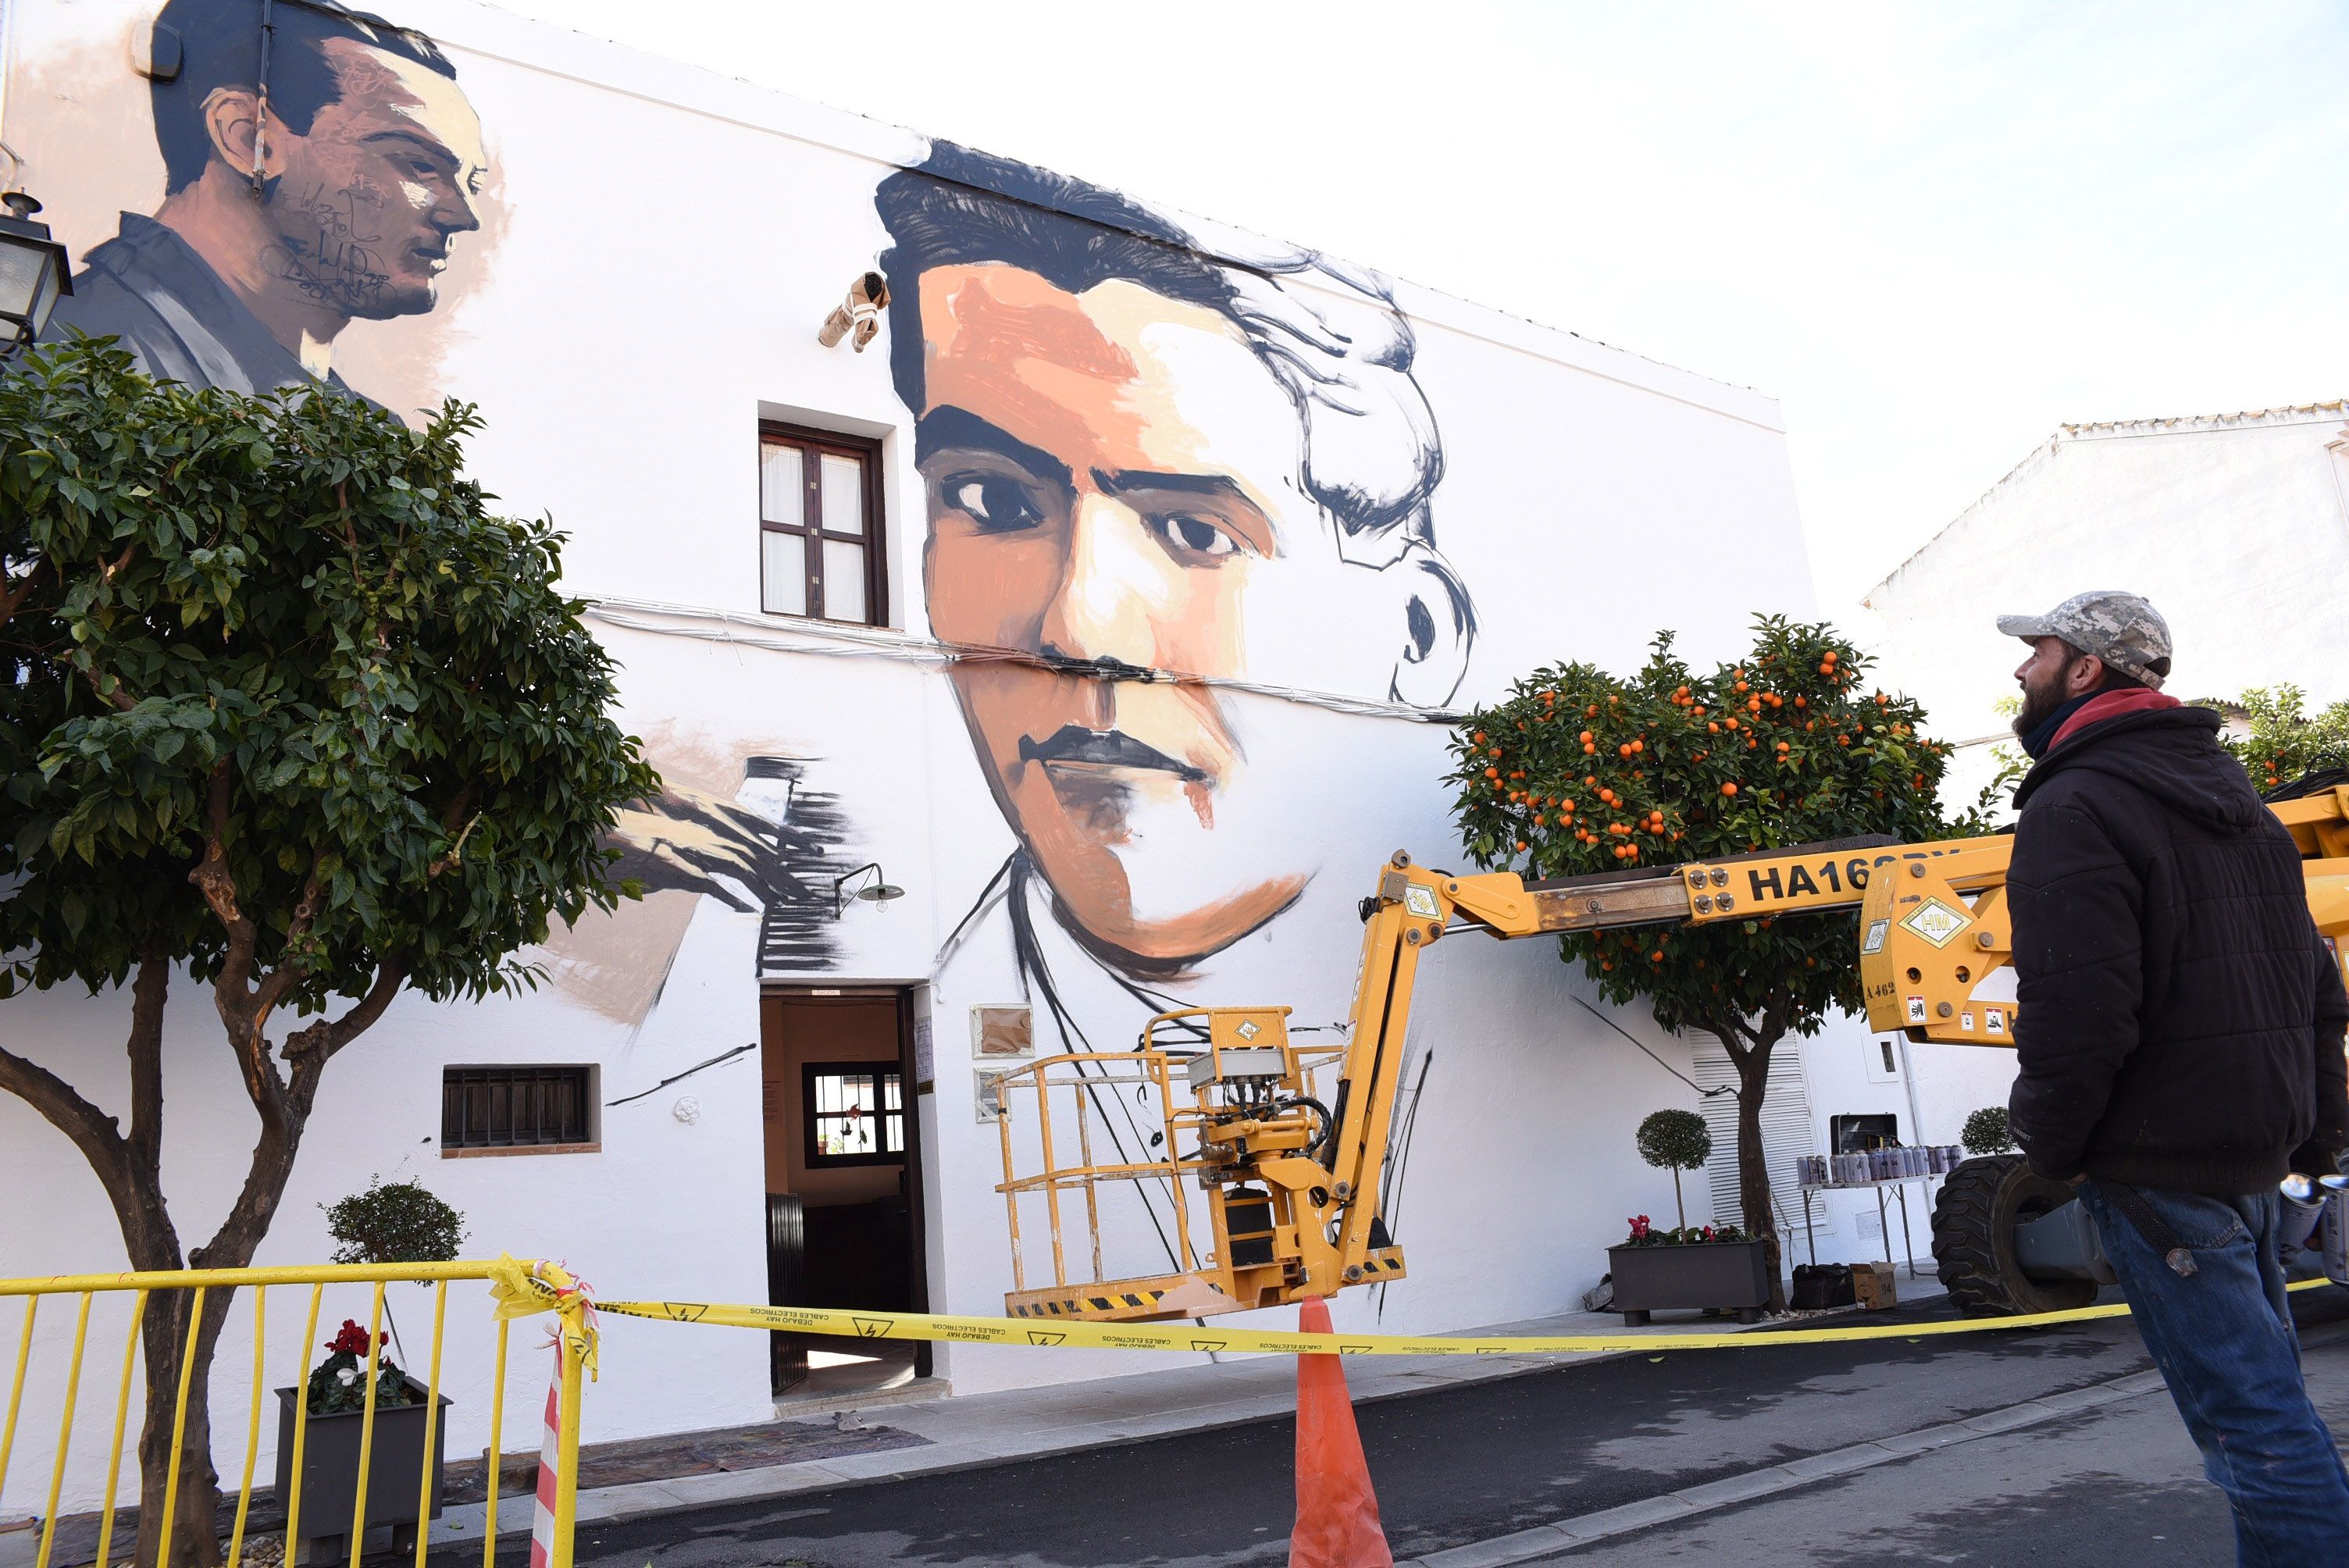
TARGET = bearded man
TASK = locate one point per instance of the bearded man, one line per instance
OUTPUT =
(2179, 1044)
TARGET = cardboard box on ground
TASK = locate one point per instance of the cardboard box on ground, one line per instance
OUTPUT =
(1872, 1285)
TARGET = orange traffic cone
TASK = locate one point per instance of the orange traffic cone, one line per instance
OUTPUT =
(1337, 1512)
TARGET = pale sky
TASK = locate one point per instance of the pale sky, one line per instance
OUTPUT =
(1933, 233)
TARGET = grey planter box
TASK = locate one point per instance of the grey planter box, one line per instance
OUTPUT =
(1718, 1276)
(330, 1467)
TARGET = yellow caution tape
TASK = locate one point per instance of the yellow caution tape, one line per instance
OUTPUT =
(1076, 1334)
(519, 1289)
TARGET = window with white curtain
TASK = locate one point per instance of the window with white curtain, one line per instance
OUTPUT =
(820, 531)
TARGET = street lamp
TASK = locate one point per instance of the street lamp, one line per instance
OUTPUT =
(878, 891)
(33, 271)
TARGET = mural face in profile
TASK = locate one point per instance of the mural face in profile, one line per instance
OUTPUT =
(334, 196)
(1140, 459)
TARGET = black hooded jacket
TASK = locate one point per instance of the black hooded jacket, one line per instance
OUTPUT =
(2181, 1020)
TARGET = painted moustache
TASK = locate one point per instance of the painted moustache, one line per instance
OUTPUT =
(1104, 749)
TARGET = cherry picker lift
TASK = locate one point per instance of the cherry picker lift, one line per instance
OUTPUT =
(1291, 1176)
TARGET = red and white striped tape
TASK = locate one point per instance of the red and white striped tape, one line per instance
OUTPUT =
(550, 1460)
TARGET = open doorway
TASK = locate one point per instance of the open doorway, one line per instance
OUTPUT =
(844, 1180)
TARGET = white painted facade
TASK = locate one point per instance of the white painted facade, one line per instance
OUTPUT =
(2236, 526)
(657, 247)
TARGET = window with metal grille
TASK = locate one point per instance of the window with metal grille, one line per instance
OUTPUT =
(516, 1108)
(819, 533)
(856, 1113)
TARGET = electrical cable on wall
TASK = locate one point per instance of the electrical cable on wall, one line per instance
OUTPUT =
(847, 642)
(720, 1056)
(1702, 1093)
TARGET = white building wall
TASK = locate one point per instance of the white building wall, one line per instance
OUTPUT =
(2236, 528)
(657, 247)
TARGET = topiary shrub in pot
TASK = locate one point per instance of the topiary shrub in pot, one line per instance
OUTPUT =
(1676, 1140)
(399, 1223)
(1986, 1132)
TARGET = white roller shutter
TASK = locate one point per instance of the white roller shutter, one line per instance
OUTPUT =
(1785, 1131)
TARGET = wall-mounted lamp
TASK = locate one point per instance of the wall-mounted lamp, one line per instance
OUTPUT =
(878, 891)
(35, 270)
(859, 314)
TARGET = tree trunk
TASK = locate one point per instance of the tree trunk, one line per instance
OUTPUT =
(1748, 1043)
(1753, 1167)
(195, 1542)
(129, 1167)
(1679, 1207)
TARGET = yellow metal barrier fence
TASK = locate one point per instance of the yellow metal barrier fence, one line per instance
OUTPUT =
(518, 1289)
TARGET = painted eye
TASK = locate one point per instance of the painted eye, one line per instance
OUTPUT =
(1195, 534)
(997, 504)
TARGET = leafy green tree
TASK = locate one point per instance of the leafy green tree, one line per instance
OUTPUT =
(286, 713)
(2284, 741)
(1580, 771)
(1677, 1140)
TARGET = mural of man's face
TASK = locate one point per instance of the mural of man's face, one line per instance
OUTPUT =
(1113, 475)
(367, 203)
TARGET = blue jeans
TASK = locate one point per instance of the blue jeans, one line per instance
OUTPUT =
(2224, 1341)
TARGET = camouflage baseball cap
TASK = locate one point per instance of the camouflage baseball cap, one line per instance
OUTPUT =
(2121, 629)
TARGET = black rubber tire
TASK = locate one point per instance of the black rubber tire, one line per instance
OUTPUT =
(1974, 1217)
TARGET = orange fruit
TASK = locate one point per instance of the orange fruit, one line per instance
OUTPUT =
(1639, 746)
(1729, 788)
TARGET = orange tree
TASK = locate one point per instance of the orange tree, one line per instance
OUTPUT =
(1581, 771)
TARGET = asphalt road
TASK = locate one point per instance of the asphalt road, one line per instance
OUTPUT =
(2118, 1484)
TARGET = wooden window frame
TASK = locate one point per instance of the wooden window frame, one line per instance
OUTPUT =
(585, 1136)
(812, 1153)
(809, 529)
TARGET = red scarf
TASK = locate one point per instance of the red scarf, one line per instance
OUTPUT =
(2111, 705)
